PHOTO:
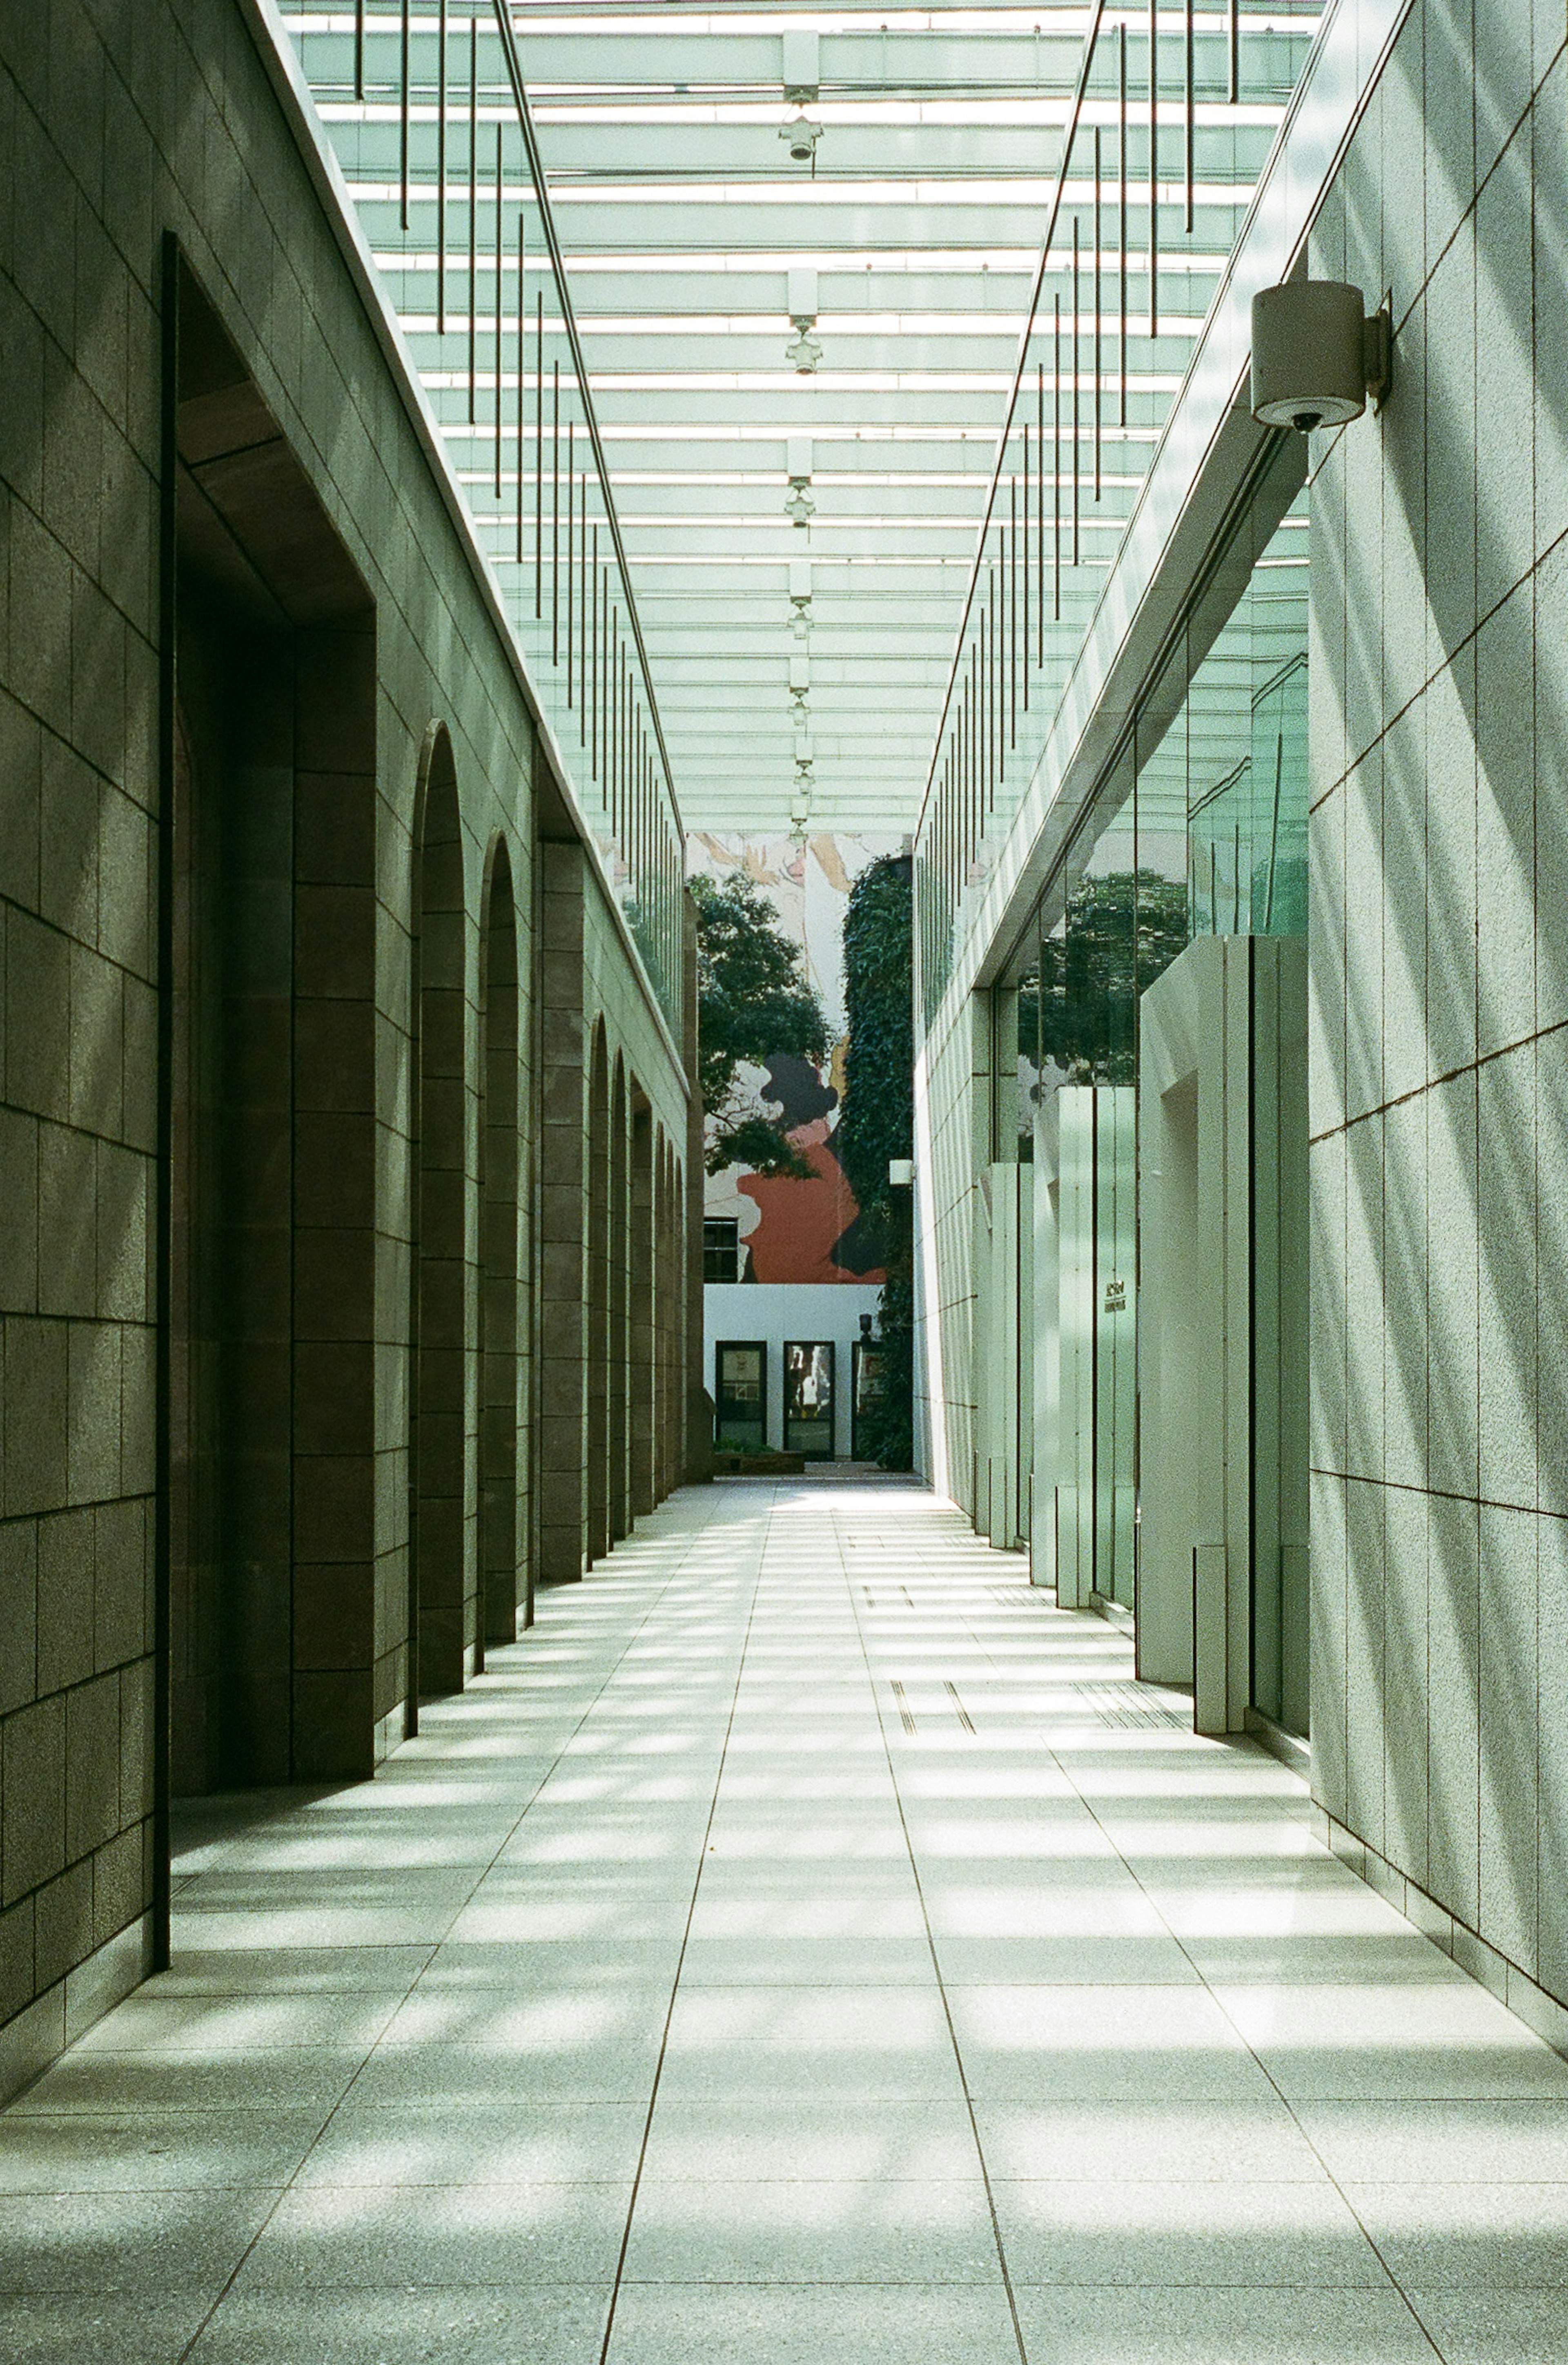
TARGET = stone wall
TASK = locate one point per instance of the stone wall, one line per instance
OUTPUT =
(1439, 984)
(264, 756)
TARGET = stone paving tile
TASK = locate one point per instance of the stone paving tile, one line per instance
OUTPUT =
(703, 1973)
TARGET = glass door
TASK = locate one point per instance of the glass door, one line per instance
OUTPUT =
(808, 1398)
(740, 1381)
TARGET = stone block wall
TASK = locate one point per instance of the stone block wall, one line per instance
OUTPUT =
(221, 995)
(1439, 995)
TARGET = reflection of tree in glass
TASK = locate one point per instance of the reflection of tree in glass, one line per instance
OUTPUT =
(1123, 929)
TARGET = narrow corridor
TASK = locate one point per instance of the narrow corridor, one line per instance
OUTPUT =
(806, 1948)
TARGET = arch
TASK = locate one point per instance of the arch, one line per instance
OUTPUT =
(501, 1480)
(643, 1362)
(598, 1296)
(442, 1558)
(620, 1308)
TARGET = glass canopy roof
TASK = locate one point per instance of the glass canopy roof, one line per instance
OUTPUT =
(803, 248)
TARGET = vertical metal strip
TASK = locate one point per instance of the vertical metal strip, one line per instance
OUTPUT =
(1099, 243)
(1025, 641)
(1189, 102)
(1077, 419)
(583, 605)
(1040, 537)
(555, 514)
(473, 218)
(593, 664)
(359, 51)
(1122, 213)
(1056, 473)
(1153, 168)
(500, 261)
(404, 67)
(441, 171)
(521, 376)
(1013, 616)
(571, 551)
(1233, 60)
(539, 455)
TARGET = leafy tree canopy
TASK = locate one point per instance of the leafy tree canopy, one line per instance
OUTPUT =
(753, 1001)
(1123, 929)
(878, 1121)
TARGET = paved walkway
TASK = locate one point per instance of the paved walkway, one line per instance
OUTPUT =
(806, 1948)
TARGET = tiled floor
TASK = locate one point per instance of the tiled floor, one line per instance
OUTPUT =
(805, 1949)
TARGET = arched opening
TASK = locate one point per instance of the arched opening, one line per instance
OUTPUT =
(620, 1310)
(442, 1562)
(502, 1506)
(599, 1298)
(643, 1357)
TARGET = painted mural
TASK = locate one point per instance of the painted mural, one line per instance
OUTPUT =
(790, 1228)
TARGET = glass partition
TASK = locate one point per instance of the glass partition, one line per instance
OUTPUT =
(1167, 133)
(427, 115)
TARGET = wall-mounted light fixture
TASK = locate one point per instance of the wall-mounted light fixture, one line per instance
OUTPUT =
(806, 352)
(1317, 354)
(799, 506)
(802, 136)
(799, 602)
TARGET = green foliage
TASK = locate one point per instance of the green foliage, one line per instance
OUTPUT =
(753, 1001)
(878, 1119)
(877, 1122)
(1123, 929)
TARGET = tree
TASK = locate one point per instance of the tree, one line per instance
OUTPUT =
(877, 1122)
(1123, 929)
(753, 1001)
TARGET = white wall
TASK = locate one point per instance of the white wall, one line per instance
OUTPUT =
(781, 1310)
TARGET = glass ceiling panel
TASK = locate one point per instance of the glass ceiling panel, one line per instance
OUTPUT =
(803, 249)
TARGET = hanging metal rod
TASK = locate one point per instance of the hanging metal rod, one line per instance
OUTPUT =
(513, 60)
(1080, 87)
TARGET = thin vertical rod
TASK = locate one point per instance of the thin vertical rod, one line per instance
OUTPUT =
(1013, 618)
(440, 172)
(359, 51)
(1025, 641)
(1153, 168)
(571, 549)
(538, 455)
(987, 704)
(1122, 209)
(1040, 537)
(583, 608)
(593, 663)
(473, 218)
(500, 261)
(1056, 470)
(521, 377)
(1099, 241)
(555, 516)
(1076, 415)
(404, 44)
(1189, 98)
(1232, 49)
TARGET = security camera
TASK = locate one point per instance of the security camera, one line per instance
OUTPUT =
(1317, 356)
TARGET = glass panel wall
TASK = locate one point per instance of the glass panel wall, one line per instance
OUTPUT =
(1198, 829)
(1166, 136)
